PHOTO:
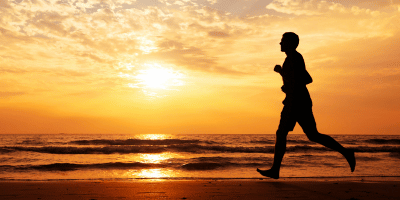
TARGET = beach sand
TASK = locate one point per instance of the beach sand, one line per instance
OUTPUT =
(286, 188)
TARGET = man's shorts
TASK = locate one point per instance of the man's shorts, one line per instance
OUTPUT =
(301, 114)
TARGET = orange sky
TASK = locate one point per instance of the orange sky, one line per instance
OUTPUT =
(194, 66)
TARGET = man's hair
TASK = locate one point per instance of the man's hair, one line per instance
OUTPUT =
(293, 39)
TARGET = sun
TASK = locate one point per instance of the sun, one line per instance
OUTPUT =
(154, 76)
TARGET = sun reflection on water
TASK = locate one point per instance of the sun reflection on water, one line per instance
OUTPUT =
(151, 173)
(157, 173)
(155, 158)
(154, 136)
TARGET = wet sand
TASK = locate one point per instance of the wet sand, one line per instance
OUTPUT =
(286, 188)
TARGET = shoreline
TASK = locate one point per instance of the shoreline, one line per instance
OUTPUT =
(371, 188)
(327, 178)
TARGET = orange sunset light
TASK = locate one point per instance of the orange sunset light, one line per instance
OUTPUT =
(194, 66)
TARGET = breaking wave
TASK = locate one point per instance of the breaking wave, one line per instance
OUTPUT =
(188, 148)
(72, 167)
(193, 164)
(288, 141)
(383, 141)
(136, 142)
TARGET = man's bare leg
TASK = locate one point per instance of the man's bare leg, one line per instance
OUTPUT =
(280, 149)
(331, 143)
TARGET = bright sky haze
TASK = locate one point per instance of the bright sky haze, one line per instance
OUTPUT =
(194, 66)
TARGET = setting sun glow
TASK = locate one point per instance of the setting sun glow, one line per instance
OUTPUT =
(155, 77)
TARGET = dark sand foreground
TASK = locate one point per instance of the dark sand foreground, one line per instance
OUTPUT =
(319, 188)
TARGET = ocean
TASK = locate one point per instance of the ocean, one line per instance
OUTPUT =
(189, 156)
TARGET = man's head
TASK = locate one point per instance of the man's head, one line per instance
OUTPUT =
(289, 42)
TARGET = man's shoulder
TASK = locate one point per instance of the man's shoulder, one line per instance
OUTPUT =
(294, 56)
(298, 55)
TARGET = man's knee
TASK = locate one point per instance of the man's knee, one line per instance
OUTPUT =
(280, 133)
(313, 136)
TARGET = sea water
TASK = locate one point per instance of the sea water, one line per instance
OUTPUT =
(191, 156)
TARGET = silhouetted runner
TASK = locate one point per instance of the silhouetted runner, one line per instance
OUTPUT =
(298, 107)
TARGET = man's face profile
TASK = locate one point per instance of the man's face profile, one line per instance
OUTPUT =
(285, 45)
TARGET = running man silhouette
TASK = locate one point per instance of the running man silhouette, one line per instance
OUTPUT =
(298, 107)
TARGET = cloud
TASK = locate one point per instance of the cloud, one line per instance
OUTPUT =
(218, 34)
(108, 33)
(4, 4)
(318, 7)
(10, 94)
(370, 4)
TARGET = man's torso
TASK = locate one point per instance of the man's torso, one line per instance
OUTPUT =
(296, 91)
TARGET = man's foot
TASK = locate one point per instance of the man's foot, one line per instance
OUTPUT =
(351, 159)
(269, 173)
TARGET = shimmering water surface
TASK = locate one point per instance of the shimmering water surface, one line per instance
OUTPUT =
(113, 156)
